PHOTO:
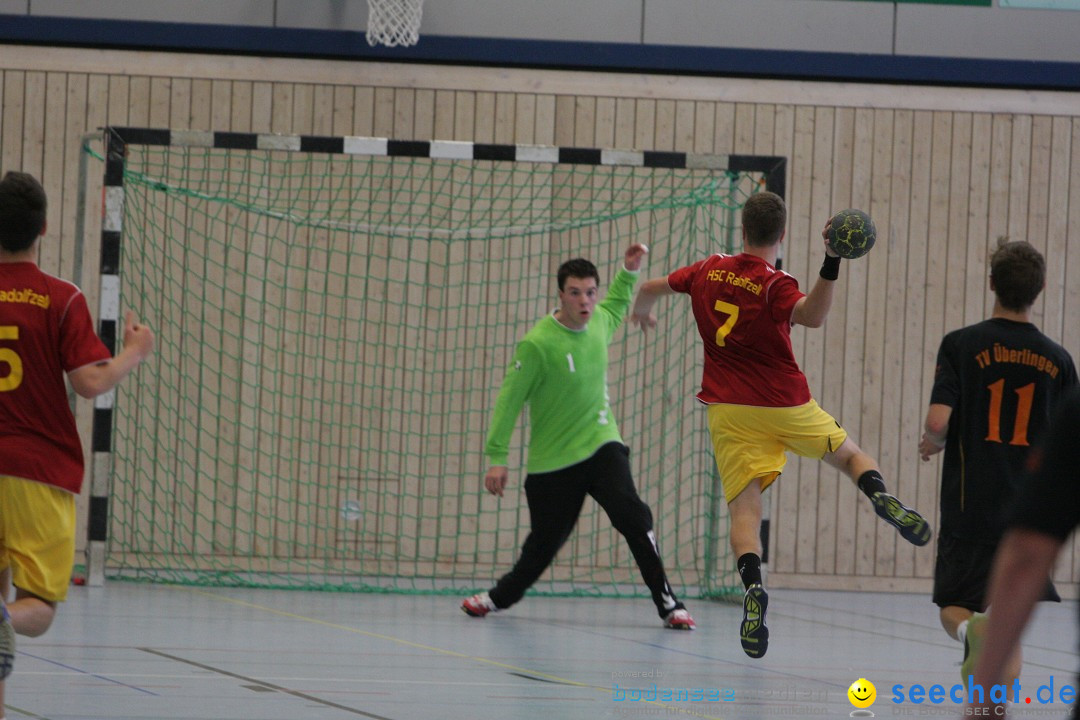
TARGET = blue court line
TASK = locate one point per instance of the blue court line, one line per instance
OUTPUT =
(86, 672)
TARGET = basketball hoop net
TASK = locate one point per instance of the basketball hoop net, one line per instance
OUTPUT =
(394, 22)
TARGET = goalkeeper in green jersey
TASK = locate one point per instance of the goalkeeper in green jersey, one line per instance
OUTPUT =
(560, 370)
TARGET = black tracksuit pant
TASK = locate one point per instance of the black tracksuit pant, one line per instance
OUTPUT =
(555, 500)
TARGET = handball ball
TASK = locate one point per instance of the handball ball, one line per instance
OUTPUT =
(851, 234)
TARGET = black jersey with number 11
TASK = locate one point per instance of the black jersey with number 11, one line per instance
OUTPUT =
(1002, 379)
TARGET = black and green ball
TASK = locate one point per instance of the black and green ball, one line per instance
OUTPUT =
(852, 234)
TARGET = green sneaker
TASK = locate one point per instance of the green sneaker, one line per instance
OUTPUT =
(7, 643)
(976, 631)
(753, 633)
(912, 526)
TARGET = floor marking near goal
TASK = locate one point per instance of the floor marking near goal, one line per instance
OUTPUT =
(513, 669)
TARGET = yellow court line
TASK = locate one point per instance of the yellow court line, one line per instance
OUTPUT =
(432, 648)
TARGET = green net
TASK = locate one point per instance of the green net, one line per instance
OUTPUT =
(332, 332)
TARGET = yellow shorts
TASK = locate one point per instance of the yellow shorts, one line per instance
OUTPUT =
(37, 536)
(749, 442)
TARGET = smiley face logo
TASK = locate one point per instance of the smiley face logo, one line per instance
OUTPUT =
(862, 693)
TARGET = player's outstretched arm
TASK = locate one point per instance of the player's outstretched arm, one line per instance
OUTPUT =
(93, 380)
(651, 291)
(812, 310)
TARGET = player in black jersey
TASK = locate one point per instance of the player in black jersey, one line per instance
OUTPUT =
(995, 386)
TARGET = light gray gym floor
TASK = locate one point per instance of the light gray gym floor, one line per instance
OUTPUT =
(142, 651)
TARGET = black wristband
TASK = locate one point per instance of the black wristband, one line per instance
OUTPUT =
(830, 269)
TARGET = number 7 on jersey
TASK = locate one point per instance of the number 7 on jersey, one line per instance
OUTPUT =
(732, 311)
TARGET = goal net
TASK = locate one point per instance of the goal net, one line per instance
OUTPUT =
(334, 318)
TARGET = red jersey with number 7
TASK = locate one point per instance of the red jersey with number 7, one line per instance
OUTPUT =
(743, 308)
(45, 331)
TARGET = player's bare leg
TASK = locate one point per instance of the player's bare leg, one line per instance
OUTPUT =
(864, 471)
(745, 513)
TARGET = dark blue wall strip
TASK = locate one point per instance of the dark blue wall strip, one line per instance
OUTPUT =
(630, 57)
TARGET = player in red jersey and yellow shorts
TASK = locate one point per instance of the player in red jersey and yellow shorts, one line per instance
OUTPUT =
(759, 403)
(45, 333)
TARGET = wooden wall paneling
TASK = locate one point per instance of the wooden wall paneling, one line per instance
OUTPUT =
(565, 121)
(604, 126)
(664, 128)
(52, 149)
(383, 113)
(1045, 312)
(967, 261)
(644, 123)
(724, 129)
(877, 328)
(524, 119)
(464, 115)
(744, 128)
(138, 99)
(404, 114)
(484, 124)
(268, 393)
(861, 285)
(945, 166)
(202, 269)
(179, 102)
(832, 149)
(505, 125)
(817, 481)
(704, 141)
(684, 130)
(201, 106)
(837, 378)
(764, 129)
(364, 111)
(999, 224)
(444, 115)
(894, 446)
(784, 145)
(155, 506)
(1049, 203)
(159, 101)
(66, 213)
(11, 150)
(784, 553)
(1053, 203)
(184, 258)
(225, 326)
(929, 178)
(1019, 171)
(281, 108)
(8, 132)
(545, 120)
(1067, 156)
(302, 120)
(1038, 185)
(423, 116)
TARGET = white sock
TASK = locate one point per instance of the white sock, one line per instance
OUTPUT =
(961, 634)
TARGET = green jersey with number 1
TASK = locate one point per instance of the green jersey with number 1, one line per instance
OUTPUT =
(562, 375)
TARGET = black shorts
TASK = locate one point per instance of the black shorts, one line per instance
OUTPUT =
(962, 574)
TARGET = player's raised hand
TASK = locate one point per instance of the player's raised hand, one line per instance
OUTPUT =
(634, 254)
(825, 236)
(137, 335)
